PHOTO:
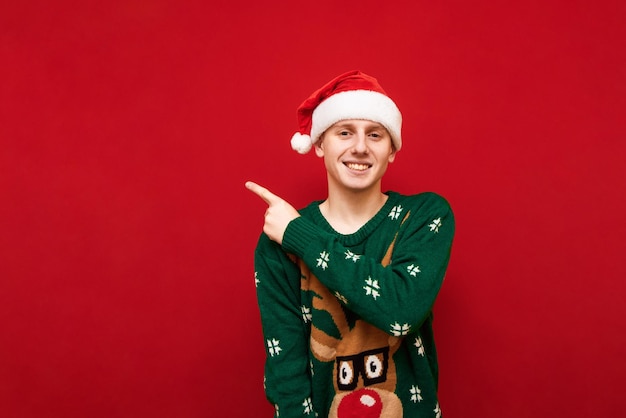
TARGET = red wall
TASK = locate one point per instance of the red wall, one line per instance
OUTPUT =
(127, 130)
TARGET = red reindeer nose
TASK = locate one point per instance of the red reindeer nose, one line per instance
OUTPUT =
(362, 403)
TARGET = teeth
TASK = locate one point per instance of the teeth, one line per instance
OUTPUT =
(360, 167)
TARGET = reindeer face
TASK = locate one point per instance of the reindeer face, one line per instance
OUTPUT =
(364, 374)
(365, 380)
(362, 390)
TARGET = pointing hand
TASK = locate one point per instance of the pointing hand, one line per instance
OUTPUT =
(278, 214)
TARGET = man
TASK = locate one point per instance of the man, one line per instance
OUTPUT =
(346, 286)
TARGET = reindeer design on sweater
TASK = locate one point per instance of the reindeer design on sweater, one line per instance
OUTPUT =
(364, 375)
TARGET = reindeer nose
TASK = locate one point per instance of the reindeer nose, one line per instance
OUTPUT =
(362, 403)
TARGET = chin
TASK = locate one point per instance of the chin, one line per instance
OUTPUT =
(361, 186)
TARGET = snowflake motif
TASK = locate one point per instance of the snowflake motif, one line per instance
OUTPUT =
(413, 269)
(352, 256)
(434, 227)
(306, 314)
(311, 367)
(400, 330)
(341, 298)
(323, 260)
(395, 212)
(273, 347)
(308, 406)
(371, 287)
(256, 279)
(277, 411)
(420, 346)
(416, 394)
(437, 411)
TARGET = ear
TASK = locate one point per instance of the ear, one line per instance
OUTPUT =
(392, 156)
(323, 352)
(319, 148)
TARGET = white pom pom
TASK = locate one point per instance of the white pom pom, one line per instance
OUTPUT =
(301, 143)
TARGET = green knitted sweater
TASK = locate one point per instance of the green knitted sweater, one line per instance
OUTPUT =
(347, 319)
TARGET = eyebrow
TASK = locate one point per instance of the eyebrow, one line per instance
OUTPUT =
(374, 125)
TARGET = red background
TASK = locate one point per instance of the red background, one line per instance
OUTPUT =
(127, 130)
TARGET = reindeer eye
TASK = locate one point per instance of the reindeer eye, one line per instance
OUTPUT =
(373, 367)
(346, 374)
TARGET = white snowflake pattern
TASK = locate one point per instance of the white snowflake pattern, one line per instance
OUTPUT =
(341, 298)
(413, 269)
(277, 411)
(434, 226)
(416, 394)
(308, 406)
(311, 367)
(352, 256)
(256, 279)
(420, 346)
(437, 411)
(306, 314)
(395, 212)
(371, 287)
(322, 261)
(400, 330)
(274, 347)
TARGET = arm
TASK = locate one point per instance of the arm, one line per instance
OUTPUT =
(398, 297)
(287, 373)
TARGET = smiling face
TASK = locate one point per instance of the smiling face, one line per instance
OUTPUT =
(356, 154)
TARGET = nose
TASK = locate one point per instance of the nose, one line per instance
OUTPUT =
(360, 145)
(363, 403)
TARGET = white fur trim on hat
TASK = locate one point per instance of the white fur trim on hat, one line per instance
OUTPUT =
(301, 143)
(357, 104)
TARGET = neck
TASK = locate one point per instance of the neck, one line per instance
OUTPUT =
(347, 211)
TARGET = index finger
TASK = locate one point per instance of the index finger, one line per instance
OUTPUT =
(262, 192)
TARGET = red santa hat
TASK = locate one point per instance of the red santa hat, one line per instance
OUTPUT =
(352, 95)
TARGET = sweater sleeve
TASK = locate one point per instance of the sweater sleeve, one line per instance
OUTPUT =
(396, 298)
(287, 372)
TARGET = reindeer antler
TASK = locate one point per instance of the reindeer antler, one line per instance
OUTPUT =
(324, 346)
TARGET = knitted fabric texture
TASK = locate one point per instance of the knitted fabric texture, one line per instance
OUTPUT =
(347, 319)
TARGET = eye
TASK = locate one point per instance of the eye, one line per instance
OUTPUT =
(346, 374)
(344, 133)
(373, 367)
(376, 136)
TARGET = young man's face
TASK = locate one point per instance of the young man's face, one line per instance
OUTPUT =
(356, 154)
